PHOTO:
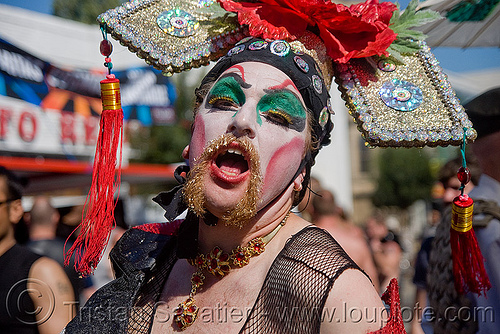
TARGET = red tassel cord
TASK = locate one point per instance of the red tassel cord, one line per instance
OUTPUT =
(98, 218)
(468, 262)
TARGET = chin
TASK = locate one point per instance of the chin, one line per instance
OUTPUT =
(219, 199)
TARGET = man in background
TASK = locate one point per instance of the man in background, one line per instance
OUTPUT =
(36, 295)
(43, 219)
(484, 112)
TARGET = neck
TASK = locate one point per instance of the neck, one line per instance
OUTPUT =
(7, 241)
(41, 233)
(228, 237)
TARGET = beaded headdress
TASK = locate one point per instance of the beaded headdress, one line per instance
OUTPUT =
(390, 81)
(392, 84)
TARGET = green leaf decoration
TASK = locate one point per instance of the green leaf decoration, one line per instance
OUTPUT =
(401, 24)
(395, 56)
(412, 34)
(216, 17)
(406, 46)
(215, 11)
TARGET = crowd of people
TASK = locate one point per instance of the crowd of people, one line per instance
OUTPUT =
(41, 293)
(37, 295)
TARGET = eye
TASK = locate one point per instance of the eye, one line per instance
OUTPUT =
(278, 117)
(222, 102)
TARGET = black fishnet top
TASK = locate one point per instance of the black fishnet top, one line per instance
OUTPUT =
(291, 299)
(297, 284)
(293, 294)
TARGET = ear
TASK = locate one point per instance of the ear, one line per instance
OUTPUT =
(185, 152)
(297, 183)
(15, 211)
(55, 217)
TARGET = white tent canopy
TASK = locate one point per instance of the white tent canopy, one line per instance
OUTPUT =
(470, 84)
(485, 33)
(64, 43)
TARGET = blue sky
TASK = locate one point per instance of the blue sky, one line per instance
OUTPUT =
(452, 59)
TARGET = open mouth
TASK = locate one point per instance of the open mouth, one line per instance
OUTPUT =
(230, 165)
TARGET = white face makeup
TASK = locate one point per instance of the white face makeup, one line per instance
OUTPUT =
(259, 102)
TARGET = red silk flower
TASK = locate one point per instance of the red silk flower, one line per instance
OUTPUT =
(358, 31)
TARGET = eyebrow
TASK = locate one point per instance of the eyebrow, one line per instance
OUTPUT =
(279, 90)
(238, 79)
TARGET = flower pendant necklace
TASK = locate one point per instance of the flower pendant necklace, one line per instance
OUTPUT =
(218, 263)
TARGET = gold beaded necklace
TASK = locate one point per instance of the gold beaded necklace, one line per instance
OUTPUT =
(218, 263)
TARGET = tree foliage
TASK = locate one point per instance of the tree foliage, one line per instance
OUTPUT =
(405, 176)
(82, 10)
(160, 144)
(164, 144)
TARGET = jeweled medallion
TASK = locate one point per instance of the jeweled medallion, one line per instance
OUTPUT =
(280, 48)
(237, 49)
(318, 86)
(386, 65)
(244, 40)
(401, 95)
(329, 106)
(323, 117)
(257, 45)
(185, 314)
(301, 64)
(177, 22)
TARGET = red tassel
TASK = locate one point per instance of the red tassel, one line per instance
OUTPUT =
(98, 218)
(468, 266)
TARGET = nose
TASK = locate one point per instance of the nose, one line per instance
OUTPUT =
(244, 121)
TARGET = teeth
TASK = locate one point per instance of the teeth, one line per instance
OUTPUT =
(234, 151)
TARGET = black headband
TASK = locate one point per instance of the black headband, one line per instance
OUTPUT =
(300, 67)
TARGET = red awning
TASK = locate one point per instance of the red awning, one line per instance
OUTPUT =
(53, 174)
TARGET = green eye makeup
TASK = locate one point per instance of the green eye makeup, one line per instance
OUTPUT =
(283, 108)
(226, 89)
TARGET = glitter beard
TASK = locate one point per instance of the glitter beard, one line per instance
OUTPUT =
(194, 193)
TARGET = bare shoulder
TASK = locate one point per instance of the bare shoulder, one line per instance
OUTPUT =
(49, 271)
(45, 266)
(52, 294)
(355, 303)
